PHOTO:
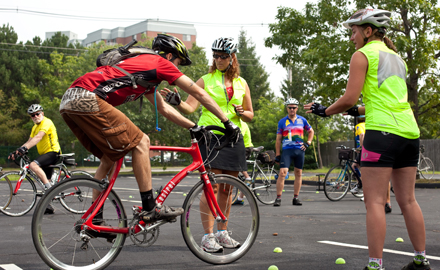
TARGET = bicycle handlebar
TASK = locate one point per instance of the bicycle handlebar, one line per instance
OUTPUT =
(204, 130)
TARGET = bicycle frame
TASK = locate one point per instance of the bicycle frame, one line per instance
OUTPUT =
(197, 164)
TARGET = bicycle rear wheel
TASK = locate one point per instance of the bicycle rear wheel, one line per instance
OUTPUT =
(336, 183)
(59, 239)
(264, 185)
(5, 192)
(68, 200)
(426, 168)
(22, 201)
(243, 221)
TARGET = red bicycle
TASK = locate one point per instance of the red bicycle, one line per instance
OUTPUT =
(64, 241)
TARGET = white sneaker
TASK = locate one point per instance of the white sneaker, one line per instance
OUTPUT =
(226, 241)
(355, 190)
(210, 244)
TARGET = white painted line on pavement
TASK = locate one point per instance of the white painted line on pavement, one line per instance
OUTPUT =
(10, 267)
(384, 250)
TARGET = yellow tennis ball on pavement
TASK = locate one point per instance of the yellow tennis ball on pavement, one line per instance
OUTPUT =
(399, 239)
(184, 194)
(273, 267)
(317, 191)
(277, 250)
(284, 190)
(130, 197)
(340, 261)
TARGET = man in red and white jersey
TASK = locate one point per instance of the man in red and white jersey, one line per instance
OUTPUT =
(88, 108)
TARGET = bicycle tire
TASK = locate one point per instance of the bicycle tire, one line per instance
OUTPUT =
(68, 201)
(56, 237)
(264, 185)
(426, 168)
(336, 183)
(5, 192)
(24, 200)
(243, 222)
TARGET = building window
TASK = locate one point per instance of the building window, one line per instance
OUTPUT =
(186, 37)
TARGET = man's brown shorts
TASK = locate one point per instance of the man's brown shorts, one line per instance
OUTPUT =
(101, 128)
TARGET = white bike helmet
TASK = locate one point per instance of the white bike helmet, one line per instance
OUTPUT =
(291, 101)
(34, 108)
(226, 45)
(377, 17)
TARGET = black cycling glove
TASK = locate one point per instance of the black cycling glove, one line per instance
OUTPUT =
(22, 150)
(232, 131)
(319, 109)
(353, 111)
(173, 98)
(278, 159)
(306, 145)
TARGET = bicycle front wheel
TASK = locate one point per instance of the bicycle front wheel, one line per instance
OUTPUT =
(336, 183)
(68, 201)
(264, 185)
(60, 240)
(426, 168)
(5, 192)
(22, 201)
(242, 224)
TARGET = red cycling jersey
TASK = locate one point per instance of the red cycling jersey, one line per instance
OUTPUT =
(116, 88)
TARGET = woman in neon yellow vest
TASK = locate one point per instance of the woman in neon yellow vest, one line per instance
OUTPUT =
(231, 92)
(391, 144)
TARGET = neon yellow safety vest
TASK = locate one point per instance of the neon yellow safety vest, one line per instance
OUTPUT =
(385, 93)
(216, 88)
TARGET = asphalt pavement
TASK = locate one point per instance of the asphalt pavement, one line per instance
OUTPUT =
(311, 236)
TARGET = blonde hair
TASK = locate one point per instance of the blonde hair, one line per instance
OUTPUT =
(232, 72)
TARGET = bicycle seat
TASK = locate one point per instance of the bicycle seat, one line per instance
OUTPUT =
(67, 155)
(257, 149)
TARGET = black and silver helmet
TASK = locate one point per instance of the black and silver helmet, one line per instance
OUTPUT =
(169, 44)
(226, 45)
(34, 108)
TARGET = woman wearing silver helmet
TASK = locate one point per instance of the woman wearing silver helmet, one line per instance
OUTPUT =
(391, 144)
(231, 92)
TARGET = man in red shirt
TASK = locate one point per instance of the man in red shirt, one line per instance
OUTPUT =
(88, 108)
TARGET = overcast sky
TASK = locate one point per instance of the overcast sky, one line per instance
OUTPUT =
(211, 20)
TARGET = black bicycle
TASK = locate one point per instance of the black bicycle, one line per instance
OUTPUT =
(342, 178)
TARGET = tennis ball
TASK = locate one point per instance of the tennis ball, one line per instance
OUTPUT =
(399, 239)
(273, 267)
(284, 190)
(277, 250)
(317, 191)
(130, 197)
(340, 261)
(184, 194)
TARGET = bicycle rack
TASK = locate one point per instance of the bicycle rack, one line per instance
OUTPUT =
(320, 182)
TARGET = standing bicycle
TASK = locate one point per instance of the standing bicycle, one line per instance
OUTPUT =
(83, 241)
(22, 194)
(263, 175)
(425, 166)
(342, 177)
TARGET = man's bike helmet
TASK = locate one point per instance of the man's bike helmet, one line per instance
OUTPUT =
(34, 108)
(291, 101)
(226, 45)
(164, 43)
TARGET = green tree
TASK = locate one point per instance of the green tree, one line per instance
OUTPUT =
(316, 38)
(252, 70)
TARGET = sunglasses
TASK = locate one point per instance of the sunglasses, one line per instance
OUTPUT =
(292, 108)
(222, 56)
(35, 114)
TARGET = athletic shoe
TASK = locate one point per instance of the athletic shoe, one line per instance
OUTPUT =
(160, 212)
(296, 201)
(355, 190)
(367, 268)
(210, 244)
(225, 240)
(94, 234)
(277, 202)
(49, 210)
(387, 208)
(237, 202)
(414, 266)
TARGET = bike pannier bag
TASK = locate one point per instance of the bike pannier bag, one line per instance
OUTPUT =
(267, 157)
(345, 154)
